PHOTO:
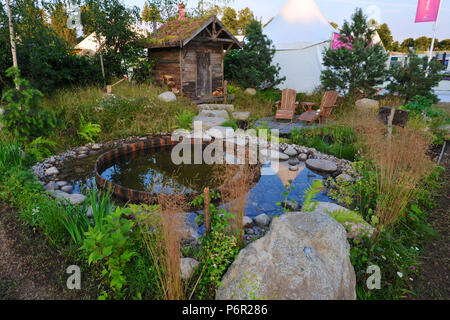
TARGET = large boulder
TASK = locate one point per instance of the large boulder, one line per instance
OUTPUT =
(242, 116)
(167, 96)
(304, 256)
(367, 105)
(187, 267)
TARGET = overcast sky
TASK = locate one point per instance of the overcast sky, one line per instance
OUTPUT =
(398, 14)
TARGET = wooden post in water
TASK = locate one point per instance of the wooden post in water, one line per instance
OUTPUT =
(207, 210)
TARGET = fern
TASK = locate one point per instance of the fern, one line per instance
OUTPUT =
(88, 131)
(309, 205)
(40, 148)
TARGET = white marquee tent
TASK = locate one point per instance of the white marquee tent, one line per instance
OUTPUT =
(300, 33)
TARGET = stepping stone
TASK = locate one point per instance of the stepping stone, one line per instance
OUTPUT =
(51, 186)
(227, 107)
(59, 195)
(303, 157)
(214, 114)
(219, 132)
(242, 116)
(321, 165)
(293, 168)
(209, 122)
(62, 183)
(293, 162)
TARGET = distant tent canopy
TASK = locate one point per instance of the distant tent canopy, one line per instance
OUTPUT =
(300, 33)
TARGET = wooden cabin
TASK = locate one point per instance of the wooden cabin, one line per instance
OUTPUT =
(189, 56)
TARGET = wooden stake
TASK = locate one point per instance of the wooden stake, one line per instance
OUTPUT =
(207, 211)
(389, 124)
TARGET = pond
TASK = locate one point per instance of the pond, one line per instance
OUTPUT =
(153, 171)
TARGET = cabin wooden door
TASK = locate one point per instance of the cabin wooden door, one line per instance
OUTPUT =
(204, 79)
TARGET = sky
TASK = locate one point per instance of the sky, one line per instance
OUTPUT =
(398, 14)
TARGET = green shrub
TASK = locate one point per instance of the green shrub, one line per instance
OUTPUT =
(40, 148)
(23, 115)
(11, 155)
(184, 120)
(421, 106)
(231, 123)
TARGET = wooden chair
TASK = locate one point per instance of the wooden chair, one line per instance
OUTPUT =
(326, 108)
(286, 108)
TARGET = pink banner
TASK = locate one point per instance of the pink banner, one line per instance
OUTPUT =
(337, 43)
(427, 10)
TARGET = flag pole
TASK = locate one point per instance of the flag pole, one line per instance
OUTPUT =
(434, 33)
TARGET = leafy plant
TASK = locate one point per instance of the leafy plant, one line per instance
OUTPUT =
(309, 204)
(231, 124)
(184, 119)
(76, 222)
(23, 115)
(420, 105)
(40, 148)
(88, 131)
(11, 155)
(110, 248)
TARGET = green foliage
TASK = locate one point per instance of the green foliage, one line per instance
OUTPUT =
(252, 66)
(416, 77)
(23, 115)
(40, 148)
(184, 119)
(88, 131)
(309, 205)
(231, 123)
(11, 155)
(110, 248)
(420, 105)
(286, 192)
(219, 249)
(76, 222)
(357, 70)
(345, 215)
(336, 140)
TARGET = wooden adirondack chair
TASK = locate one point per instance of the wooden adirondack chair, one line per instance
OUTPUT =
(326, 108)
(286, 108)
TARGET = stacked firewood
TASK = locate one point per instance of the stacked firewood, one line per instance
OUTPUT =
(170, 82)
(218, 92)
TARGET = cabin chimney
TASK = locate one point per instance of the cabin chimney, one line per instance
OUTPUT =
(181, 11)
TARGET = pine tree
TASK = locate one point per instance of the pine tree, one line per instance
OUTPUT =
(416, 77)
(358, 70)
(252, 66)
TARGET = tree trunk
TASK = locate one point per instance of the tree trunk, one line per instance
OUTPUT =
(13, 41)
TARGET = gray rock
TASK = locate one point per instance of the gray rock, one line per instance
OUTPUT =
(291, 152)
(51, 171)
(96, 147)
(51, 186)
(187, 267)
(321, 165)
(250, 91)
(209, 122)
(227, 107)
(59, 195)
(62, 183)
(248, 222)
(304, 256)
(243, 116)
(293, 162)
(367, 104)
(2, 111)
(77, 199)
(293, 168)
(303, 157)
(82, 156)
(67, 189)
(345, 177)
(262, 220)
(214, 114)
(167, 96)
(83, 149)
(90, 212)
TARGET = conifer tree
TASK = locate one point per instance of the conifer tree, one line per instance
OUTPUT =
(359, 65)
(252, 66)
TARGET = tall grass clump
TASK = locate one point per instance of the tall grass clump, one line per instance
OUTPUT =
(162, 238)
(400, 163)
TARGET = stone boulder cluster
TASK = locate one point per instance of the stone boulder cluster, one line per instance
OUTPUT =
(212, 115)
